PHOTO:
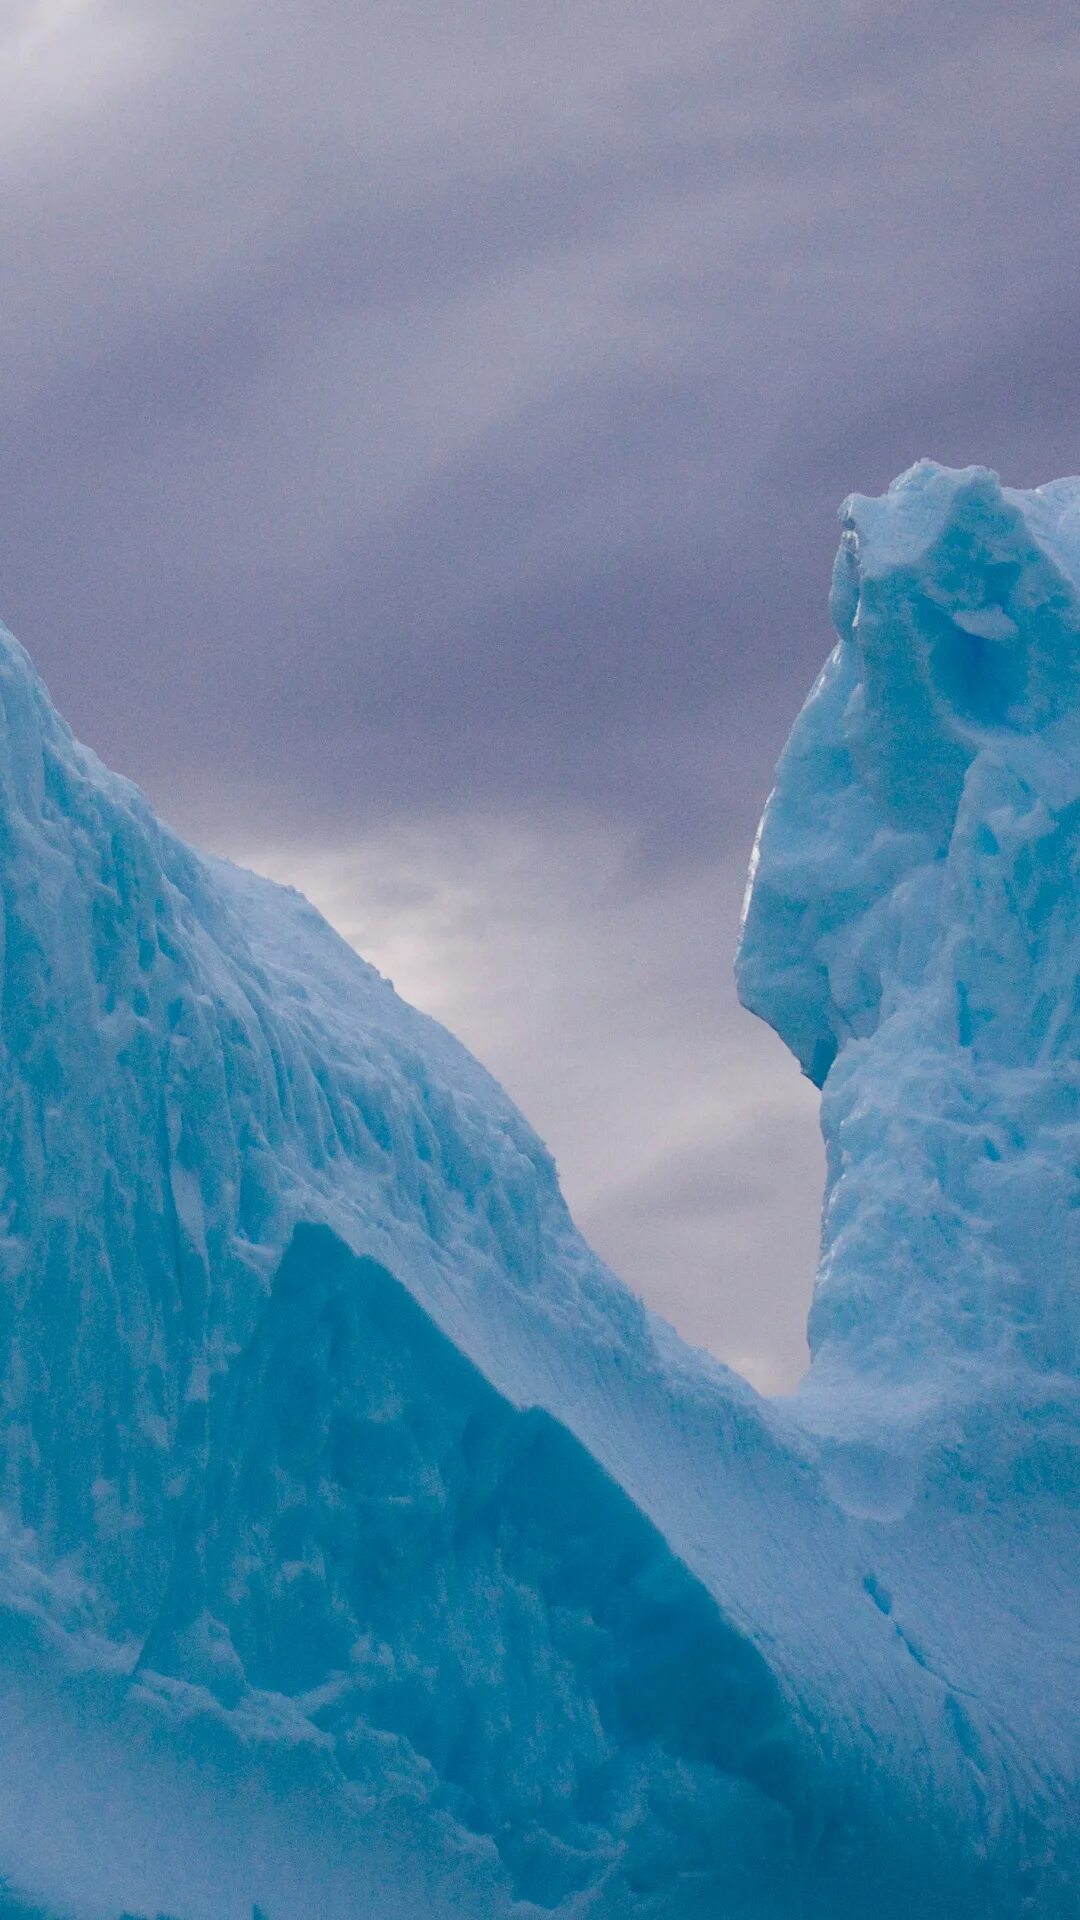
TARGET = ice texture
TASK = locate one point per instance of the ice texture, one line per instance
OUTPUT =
(367, 1551)
(912, 931)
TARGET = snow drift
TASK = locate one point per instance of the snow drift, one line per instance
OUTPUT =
(367, 1549)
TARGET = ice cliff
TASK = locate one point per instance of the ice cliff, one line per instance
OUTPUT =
(913, 933)
(367, 1551)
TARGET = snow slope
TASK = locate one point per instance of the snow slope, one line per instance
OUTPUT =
(367, 1548)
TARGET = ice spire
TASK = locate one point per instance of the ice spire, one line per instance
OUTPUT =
(912, 931)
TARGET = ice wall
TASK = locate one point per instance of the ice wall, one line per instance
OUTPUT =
(912, 931)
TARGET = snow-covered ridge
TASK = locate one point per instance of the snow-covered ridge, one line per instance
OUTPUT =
(365, 1548)
(193, 1061)
(197, 1073)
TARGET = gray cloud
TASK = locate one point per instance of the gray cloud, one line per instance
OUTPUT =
(415, 414)
(498, 386)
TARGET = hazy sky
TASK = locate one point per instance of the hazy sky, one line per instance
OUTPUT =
(422, 428)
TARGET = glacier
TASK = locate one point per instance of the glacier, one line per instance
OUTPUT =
(367, 1551)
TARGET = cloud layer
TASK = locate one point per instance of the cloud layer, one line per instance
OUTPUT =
(415, 416)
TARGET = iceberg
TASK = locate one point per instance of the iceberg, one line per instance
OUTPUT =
(367, 1551)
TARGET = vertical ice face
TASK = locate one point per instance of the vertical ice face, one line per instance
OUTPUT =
(912, 931)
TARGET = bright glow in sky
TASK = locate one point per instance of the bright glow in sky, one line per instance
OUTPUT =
(687, 1143)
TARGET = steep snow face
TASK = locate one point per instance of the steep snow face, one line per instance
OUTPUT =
(912, 931)
(190, 1061)
(428, 1502)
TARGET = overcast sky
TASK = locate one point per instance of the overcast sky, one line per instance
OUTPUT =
(422, 428)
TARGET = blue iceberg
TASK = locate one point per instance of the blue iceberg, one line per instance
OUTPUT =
(367, 1551)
